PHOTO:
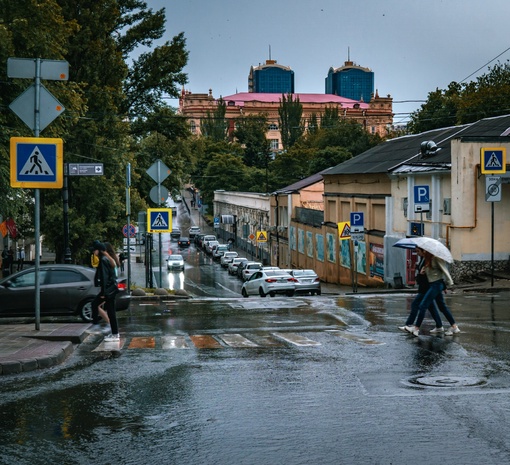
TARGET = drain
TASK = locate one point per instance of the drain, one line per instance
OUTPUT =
(449, 381)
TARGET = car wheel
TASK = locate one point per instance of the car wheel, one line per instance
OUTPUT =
(244, 293)
(261, 292)
(272, 294)
(318, 292)
(290, 293)
(85, 311)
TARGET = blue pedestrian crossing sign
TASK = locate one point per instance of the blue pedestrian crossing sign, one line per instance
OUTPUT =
(493, 160)
(159, 220)
(37, 162)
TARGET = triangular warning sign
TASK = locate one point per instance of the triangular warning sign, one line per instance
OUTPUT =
(36, 164)
(345, 231)
(261, 236)
(159, 222)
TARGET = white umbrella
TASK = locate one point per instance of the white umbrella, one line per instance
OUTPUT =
(433, 246)
(405, 243)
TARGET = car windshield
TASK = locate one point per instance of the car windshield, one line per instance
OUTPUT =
(175, 257)
(302, 273)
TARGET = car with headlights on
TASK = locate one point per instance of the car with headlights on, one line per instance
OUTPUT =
(272, 282)
(307, 282)
(64, 290)
(175, 262)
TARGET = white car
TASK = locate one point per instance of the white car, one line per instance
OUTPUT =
(232, 266)
(175, 262)
(193, 231)
(219, 251)
(227, 258)
(270, 282)
(307, 281)
(249, 268)
(211, 245)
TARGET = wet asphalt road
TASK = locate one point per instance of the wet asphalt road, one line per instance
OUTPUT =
(219, 379)
(323, 380)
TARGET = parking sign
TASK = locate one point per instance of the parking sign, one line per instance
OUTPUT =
(357, 222)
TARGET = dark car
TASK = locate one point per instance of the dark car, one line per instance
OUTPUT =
(183, 242)
(64, 290)
(175, 234)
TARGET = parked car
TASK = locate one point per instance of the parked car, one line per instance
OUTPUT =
(64, 290)
(227, 258)
(193, 231)
(183, 242)
(232, 266)
(199, 238)
(272, 282)
(175, 234)
(219, 251)
(175, 262)
(206, 239)
(250, 268)
(307, 281)
(210, 246)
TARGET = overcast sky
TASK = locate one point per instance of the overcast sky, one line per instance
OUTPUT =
(413, 46)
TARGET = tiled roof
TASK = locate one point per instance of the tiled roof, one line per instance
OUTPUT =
(406, 150)
(242, 97)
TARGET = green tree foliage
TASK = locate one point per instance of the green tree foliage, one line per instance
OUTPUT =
(488, 95)
(105, 93)
(290, 120)
(214, 125)
(251, 134)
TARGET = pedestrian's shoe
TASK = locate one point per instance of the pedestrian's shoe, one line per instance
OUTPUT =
(437, 330)
(95, 329)
(414, 330)
(112, 338)
(452, 331)
(410, 328)
(403, 328)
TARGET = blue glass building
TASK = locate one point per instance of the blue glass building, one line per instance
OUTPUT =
(271, 78)
(351, 81)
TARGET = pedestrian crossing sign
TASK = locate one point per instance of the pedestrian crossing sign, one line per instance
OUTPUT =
(493, 160)
(37, 162)
(159, 220)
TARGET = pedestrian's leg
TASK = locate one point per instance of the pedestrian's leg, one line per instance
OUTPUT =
(444, 309)
(95, 312)
(110, 309)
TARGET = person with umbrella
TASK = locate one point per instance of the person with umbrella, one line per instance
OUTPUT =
(437, 274)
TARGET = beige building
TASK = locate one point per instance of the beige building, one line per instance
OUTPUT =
(376, 116)
(381, 184)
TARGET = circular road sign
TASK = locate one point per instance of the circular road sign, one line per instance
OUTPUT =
(131, 230)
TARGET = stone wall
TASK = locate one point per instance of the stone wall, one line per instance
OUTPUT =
(461, 271)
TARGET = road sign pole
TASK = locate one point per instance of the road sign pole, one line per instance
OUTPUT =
(37, 218)
(128, 215)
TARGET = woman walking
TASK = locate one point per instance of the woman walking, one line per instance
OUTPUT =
(437, 273)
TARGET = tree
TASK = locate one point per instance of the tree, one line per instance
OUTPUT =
(290, 120)
(214, 125)
(250, 132)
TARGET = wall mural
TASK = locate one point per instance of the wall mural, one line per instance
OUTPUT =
(331, 249)
(319, 246)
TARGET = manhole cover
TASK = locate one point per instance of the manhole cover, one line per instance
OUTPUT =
(449, 381)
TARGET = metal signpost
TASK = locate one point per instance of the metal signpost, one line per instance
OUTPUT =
(357, 234)
(37, 108)
(493, 162)
(421, 202)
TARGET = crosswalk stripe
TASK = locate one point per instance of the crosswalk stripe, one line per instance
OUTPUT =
(236, 340)
(174, 342)
(296, 339)
(202, 341)
(142, 343)
(354, 337)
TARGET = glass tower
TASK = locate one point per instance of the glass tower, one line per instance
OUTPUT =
(271, 78)
(351, 81)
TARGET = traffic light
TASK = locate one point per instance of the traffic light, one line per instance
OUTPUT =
(416, 229)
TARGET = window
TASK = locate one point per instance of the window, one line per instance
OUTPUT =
(447, 206)
(65, 276)
(273, 127)
(405, 204)
(274, 144)
(193, 127)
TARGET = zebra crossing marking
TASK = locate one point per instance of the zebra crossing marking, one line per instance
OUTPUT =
(174, 342)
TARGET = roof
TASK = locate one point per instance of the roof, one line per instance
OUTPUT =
(302, 183)
(395, 153)
(242, 97)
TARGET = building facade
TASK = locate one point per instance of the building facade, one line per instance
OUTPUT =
(271, 78)
(376, 117)
(351, 81)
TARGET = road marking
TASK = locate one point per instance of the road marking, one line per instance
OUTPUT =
(296, 339)
(236, 340)
(142, 343)
(174, 342)
(354, 337)
(109, 346)
(205, 342)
